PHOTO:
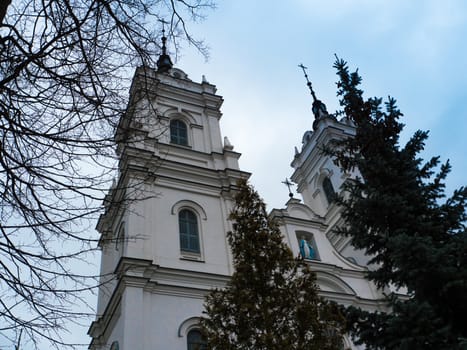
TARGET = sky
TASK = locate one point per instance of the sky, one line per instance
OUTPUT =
(414, 51)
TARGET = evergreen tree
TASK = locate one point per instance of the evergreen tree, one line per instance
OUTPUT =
(271, 301)
(397, 211)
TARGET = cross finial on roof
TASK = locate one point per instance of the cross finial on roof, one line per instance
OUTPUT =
(288, 184)
(318, 107)
(308, 82)
(164, 63)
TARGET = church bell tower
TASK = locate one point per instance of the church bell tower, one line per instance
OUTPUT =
(163, 234)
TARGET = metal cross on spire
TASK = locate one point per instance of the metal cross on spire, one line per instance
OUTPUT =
(308, 82)
(288, 184)
(318, 107)
(164, 38)
(164, 63)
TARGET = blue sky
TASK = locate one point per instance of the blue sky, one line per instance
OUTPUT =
(414, 51)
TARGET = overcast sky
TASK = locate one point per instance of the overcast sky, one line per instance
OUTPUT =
(414, 51)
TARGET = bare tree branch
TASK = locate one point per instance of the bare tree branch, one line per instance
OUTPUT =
(65, 68)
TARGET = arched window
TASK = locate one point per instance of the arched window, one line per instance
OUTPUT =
(189, 236)
(195, 340)
(329, 190)
(178, 132)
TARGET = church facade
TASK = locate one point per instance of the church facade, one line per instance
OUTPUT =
(163, 233)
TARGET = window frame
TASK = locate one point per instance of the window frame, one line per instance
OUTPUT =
(188, 228)
(200, 213)
(178, 132)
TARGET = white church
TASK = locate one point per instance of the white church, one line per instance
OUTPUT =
(162, 253)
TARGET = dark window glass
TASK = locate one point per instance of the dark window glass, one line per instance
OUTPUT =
(329, 190)
(189, 238)
(178, 132)
(195, 340)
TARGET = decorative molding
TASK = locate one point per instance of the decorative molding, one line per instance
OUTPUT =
(188, 204)
(188, 325)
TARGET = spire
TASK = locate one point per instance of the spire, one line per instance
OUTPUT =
(308, 82)
(318, 107)
(164, 63)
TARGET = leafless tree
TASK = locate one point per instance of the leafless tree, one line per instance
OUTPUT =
(64, 77)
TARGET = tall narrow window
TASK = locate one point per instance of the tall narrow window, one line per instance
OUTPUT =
(178, 132)
(195, 340)
(329, 190)
(189, 237)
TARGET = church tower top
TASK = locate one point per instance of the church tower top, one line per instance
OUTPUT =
(319, 108)
(164, 63)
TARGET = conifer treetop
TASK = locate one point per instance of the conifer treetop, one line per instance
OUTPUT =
(271, 301)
